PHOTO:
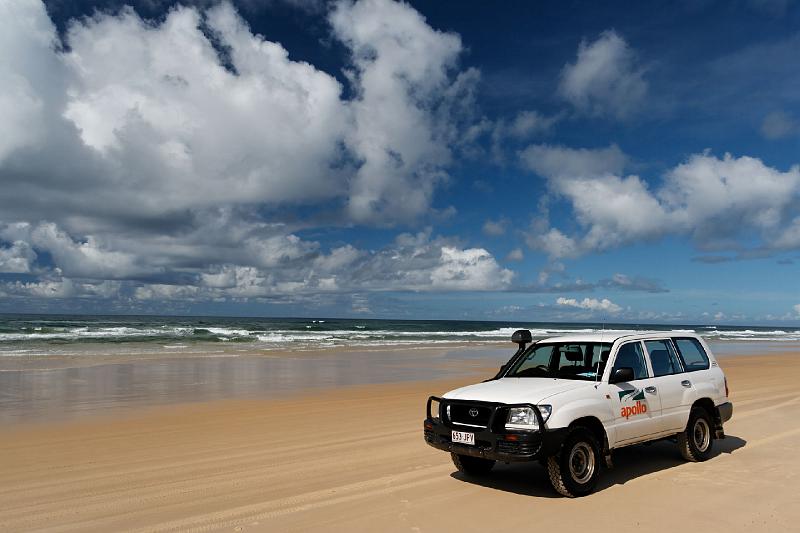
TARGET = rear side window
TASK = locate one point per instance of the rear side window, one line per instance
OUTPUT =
(663, 358)
(692, 354)
(631, 355)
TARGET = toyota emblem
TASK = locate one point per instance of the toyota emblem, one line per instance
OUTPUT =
(473, 412)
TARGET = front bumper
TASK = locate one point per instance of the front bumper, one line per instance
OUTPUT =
(493, 442)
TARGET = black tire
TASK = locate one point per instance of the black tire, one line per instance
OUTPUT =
(472, 466)
(574, 471)
(697, 440)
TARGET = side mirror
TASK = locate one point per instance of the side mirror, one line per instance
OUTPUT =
(622, 375)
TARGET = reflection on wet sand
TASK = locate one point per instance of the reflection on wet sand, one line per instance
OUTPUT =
(70, 388)
(104, 379)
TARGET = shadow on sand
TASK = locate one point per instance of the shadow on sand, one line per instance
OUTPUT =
(530, 479)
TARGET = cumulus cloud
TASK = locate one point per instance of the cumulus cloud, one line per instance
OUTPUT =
(606, 78)
(294, 269)
(403, 112)
(590, 304)
(166, 154)
(16, 258)
(143, 120)
(797, 309)
(471, 269)
(714, 200)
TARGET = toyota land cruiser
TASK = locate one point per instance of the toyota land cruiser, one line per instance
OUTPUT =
(569, 401)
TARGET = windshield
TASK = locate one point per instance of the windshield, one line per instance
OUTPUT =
(582, 360)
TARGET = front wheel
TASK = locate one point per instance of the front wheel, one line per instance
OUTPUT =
(696, 441)
(574, 471)
(472, 466)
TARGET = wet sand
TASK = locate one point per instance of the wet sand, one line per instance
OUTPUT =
(353, 459)
(37, 389)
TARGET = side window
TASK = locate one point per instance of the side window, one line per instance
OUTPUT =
(631, 355)
(663, 358)
(692, 354)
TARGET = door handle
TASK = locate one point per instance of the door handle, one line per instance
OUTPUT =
(686, 383)
(651, 390)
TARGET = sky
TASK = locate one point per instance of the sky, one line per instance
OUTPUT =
(540, 161)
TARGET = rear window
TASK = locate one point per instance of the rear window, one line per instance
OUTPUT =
(692, 354)
(662, 358)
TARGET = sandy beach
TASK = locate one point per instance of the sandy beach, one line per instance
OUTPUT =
(352, 458)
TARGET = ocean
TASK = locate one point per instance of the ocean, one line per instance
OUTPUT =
(65, 334)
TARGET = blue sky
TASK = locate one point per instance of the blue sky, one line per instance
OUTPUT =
(624, 162)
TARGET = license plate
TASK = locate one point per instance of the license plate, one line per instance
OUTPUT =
(461, 437)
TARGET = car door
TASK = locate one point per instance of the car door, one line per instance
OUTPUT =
(635, 404)
(674, 388)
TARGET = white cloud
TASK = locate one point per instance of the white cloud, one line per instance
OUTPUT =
(27, 71)
(778, 125)
(605, 79)
(590, 304)
(560, 161)
(470, 269)
(139, 121)
(515, 255)
(714, 200)
(495, 228)
(156, 101)
(797, 309)
(413, 262)
(89, 259)
(403, 110)
(166, 153)
(16, 258)
(58, 287)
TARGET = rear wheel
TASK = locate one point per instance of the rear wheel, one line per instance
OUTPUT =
(472, 466)
(575, 469)
(696, 441)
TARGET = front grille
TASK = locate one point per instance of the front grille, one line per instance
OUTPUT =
(470, 414)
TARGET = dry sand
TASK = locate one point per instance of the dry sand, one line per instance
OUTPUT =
(354, 460)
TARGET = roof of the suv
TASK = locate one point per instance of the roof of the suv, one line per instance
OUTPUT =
(613, 335)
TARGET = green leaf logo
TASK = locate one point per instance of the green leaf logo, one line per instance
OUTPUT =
(635, 394)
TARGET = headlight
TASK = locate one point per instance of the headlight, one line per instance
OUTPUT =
(525, 418)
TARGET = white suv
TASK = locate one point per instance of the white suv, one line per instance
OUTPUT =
(569, 401)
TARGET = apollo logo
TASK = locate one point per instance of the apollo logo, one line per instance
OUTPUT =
(639, 408)
(628, 411)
